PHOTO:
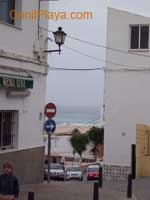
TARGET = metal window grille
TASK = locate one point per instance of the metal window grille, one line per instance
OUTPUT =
(6, 128)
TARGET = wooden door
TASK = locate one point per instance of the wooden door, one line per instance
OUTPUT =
(142, 150)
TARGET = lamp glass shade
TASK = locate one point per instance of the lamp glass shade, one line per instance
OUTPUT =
(59, 36)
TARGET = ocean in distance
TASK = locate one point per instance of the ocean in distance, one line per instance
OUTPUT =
(77, 115)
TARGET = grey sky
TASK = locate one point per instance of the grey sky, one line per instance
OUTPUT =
(83, 88)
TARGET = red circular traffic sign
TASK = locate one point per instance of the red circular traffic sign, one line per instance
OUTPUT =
(50, 110)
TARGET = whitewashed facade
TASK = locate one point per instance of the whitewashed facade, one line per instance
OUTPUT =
(61, 148)
(23, 70)
(126, 94)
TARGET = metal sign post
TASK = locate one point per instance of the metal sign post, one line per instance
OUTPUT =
(49, 127)
(49, 157)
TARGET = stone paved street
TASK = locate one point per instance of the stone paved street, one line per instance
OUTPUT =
(74, 190)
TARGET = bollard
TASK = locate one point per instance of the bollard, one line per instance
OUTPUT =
(30, 195)
(100, 179)
(96, 192)
(129, 188)
(133, 160)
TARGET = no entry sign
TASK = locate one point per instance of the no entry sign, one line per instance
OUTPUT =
(50, 110)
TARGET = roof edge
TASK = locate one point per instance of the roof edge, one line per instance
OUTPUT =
(127, 12)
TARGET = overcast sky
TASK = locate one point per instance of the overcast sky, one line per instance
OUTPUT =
(83, 88)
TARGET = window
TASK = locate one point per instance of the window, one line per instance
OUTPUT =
(5, 7)
(7, 125)
(139, 37)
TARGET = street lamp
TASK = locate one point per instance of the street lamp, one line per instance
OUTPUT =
(59, 37)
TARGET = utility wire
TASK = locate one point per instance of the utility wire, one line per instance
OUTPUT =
(79, 52)
(84, 54)
(101, 60)
(106, 47)
(99, 45)
(99, 68)
(104, 61)
(76, 69)
(128, 67)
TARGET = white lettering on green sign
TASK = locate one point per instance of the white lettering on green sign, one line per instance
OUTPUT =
(13, 83)
(20, 83)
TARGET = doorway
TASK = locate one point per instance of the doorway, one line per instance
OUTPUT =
(142, 150)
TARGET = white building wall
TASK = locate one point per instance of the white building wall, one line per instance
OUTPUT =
(17, 57)
(60, 146)
(19, 39)
(30, 125)
(22, 57)
(127, 94)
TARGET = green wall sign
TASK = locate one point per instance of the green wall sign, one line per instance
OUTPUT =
(9, 82)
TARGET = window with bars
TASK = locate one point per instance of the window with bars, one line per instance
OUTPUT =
(7, 124)
(5, 7)
(139, 37)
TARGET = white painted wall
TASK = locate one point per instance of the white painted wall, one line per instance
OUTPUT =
(19, 40)
(30, 126)
(126, 94)
(61, 147)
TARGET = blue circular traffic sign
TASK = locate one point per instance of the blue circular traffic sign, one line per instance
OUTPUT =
(50, 126)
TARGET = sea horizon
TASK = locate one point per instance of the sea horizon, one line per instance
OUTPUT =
(77, 115)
